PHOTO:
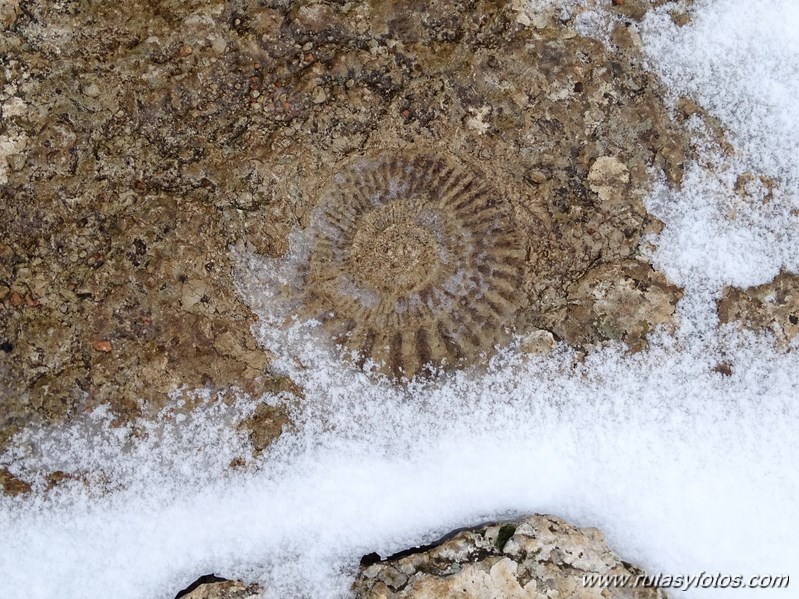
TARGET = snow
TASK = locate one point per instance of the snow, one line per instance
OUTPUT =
(632, 444)
(683, 469)
(740, 60)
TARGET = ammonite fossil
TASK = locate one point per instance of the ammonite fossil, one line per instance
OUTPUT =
(415, 264)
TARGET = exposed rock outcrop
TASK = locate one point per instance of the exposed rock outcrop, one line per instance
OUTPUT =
(224, 589)
(138, 145)
(538, 557)
(772, 307)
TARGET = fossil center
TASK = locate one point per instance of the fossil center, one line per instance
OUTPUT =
(391, 252)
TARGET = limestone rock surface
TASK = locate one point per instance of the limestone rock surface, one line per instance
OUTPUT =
(772, 307)
(140, 142)
(537, 557)
(227, 589)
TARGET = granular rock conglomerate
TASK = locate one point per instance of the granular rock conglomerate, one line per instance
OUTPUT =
(140, 140)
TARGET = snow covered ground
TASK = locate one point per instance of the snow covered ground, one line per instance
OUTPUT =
(683, 469)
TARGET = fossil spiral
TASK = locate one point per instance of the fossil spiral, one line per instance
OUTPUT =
(414, 263)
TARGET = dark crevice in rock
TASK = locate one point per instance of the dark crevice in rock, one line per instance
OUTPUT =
(205, 579)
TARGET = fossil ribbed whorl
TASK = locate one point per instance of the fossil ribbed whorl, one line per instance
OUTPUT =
(415, 262)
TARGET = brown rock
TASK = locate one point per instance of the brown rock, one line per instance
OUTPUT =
(11, 485)
(227, 589)
(446, 243)
(265, 425)
(8, 12)
(102, 346)
(608, 178)
(619, 302)
(770, 307)
(125, 235)
(538, 342)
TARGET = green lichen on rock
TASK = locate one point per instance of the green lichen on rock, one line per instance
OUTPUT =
(505, 533)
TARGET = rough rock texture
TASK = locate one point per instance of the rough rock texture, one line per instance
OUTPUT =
(772, 307)
(141, 139)
(566, 129)
(265, 425)
(415, 264)
(535, 558)
(228, 589)
(11, 485)
(621, 301)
